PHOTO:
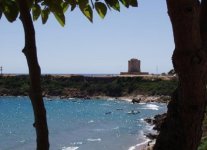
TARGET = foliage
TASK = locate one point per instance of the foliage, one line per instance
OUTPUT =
(203, 144)
(43, 8)
(17, 85)
(109, 86)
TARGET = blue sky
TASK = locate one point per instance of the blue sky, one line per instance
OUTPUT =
(102, 47)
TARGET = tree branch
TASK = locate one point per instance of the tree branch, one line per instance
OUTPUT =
(35, 94)
(92, 4)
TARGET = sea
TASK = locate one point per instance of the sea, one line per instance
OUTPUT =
(77, 124)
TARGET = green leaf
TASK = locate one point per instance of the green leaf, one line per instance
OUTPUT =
(101, 9)
(133, 3)
(83, 3)
(60, 18)
(36, 11)
(65, 6)
(125, 3)
(114, 4)
(56, 7)
(87, 11)
(30, 3)
(44, 14)
(10, 10)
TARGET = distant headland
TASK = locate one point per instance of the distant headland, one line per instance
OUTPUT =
(88, 87)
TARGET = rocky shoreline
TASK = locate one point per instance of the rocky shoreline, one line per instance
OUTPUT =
(156, 122)
(129, 98)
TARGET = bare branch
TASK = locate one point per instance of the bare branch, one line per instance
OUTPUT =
(92, 4)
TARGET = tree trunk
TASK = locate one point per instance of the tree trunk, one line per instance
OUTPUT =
(182, 129)
(35, 94)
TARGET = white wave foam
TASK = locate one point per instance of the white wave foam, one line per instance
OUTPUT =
(94, 140)
(98, 130)
(151, 106)
(116, 128)
(106, 104)
(139, 145)
(77, 143)
(91, 121)
(142, 119)
(150, 127)
(111, 99)
(22, 141)
(126, 99)
(70, 148)
(142, 103)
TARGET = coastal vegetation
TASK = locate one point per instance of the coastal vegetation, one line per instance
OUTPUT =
(203, 144)
(83, 87)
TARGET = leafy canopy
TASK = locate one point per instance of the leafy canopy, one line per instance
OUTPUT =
(43, 8)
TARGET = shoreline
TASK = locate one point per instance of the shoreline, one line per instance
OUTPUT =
(133, 99)
(140, 146)
(129, 98)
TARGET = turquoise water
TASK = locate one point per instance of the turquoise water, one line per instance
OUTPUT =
(77, 124)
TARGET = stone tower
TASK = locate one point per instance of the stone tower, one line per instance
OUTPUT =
(134, 66)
